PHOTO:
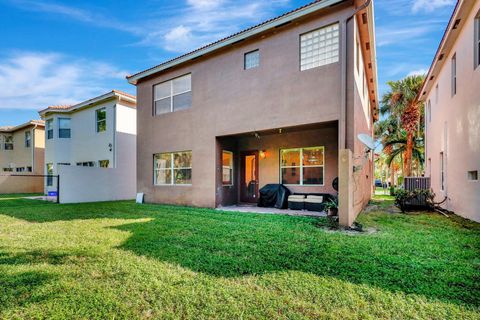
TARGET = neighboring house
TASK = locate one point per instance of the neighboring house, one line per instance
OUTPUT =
(99, 134)
(281, 102)
(451, 94)
(22, 153)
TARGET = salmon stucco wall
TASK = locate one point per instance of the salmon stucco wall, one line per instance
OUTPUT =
(453, 127)
(228, 100)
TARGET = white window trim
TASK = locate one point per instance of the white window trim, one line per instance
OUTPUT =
(301, 166)
(171, 93)
(231, 168)
(172, 170)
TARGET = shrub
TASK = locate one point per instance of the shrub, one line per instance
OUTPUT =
(404, 199)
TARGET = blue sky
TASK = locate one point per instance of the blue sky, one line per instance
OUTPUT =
(60, 52)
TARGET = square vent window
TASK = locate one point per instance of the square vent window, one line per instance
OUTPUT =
(473, 175)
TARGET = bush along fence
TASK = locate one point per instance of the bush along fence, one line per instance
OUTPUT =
(418, 199)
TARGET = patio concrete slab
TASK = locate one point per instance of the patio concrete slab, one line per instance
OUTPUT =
(255, 209)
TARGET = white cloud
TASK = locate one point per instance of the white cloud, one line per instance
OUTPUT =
(205, 21)
(32, 80)
(178, 37)
(205, 4)
(396, 35)
(430, 5)
(418, 72)
(81, 15)
(178, 29)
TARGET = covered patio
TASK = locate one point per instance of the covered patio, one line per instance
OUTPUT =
(302, 158)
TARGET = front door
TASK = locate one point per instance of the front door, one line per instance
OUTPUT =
(249, 177)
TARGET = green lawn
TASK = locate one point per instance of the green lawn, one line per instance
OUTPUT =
(125, 261)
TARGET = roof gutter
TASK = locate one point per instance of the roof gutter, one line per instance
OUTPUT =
(343, 107)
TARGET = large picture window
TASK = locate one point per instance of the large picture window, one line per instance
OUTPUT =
(319, 47)
(302, 166)
(173, 95)
(173, 168)
(227, 168)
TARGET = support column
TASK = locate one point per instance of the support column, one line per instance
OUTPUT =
(346, 215)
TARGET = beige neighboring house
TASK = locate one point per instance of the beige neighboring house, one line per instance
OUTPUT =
(451, 94)
(22, 153)
(92, 147)
(280, 102)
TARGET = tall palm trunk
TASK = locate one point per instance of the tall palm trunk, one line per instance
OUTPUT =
(407, 163)
(392, 174)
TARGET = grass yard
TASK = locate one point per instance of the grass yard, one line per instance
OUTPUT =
(126, 261)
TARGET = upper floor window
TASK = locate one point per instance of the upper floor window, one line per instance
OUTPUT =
(49, 125)
(429, 111)
(8, 143)
(454, 74)
(319, 47)
(172, 168)
(302, 166)
(252, 59)
(101, 119)
(64, 128)
(227, 168)
(173, 95)
(28, 139)
(477, 40)
(358, 58)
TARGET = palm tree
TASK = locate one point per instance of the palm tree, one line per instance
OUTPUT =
(398, 146)
(401, 103)
(387, 130)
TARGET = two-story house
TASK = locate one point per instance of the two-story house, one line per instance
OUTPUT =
(451, 97)
(99, 132)
(22, 153)
(280, 102)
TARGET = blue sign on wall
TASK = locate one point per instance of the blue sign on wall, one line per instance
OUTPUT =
(52, 193)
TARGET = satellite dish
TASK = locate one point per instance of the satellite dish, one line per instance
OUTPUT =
(367, 141)
(335, 184)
